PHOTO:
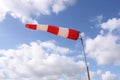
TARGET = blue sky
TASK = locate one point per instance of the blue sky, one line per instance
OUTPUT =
(99, 22)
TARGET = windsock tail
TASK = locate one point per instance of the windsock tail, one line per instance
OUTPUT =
(31, 26)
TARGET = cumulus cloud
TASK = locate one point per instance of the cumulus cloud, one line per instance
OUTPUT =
(105, 47)
(111, 24)
(109, 76)
(96, 75)
(39, 61)
(26, 10)
(101, 75)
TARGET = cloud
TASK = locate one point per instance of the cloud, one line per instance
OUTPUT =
(101, 75)
(39, 61)
(96, 75)
(97, 20)
(105, 47)
(109, 76)
(28, 10)
(111, 24)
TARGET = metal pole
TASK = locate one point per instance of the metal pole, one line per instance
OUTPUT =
(87, 69)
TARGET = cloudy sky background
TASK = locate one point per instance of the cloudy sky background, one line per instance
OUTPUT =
(37, 55)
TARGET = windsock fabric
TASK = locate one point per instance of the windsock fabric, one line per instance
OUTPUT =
(60, 31)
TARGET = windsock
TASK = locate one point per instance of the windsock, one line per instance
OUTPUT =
(60, 31)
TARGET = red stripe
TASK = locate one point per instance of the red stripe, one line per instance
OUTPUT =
(31, 26)
(73, 34)
(53, 29)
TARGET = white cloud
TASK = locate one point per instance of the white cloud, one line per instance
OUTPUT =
(26, 9)
(111, 24)
(2, 15)
(101, 75)
(96, 75)
(109, 76)
(104, 47)
(38, 61)
(97, 20)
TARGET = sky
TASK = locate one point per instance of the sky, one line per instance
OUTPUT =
(36, 55)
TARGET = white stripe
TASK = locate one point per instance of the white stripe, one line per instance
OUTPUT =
(63, 32)
(42, 27)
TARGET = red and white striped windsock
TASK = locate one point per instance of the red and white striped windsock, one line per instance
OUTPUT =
(60, 31)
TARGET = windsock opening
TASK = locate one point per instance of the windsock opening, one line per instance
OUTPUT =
(73, 34)
(31, 26)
